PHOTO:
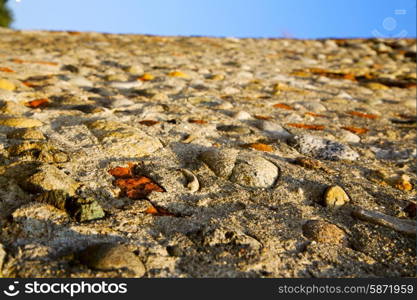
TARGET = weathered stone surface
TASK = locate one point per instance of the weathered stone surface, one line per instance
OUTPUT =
(122, 140)
(26, 134)
(47, 178)
(57, 198)
(217, 171)
(40, 151)
(10, 190)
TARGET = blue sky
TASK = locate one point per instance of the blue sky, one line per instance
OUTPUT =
(238, 18)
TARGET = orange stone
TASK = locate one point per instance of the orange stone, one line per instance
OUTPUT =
(259, 147)
(37, 103)
(355, 130)
(7, 70)
(306, 126)
(283, 106)
(363, 115)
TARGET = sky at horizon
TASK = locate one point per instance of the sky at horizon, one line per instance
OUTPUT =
(237, 18)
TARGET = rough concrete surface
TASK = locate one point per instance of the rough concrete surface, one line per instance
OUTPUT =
(149, 156)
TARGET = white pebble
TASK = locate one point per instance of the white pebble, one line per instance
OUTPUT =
(80, 81)
(126, 85)
(349, 137)
(230, 90)
(242, 115)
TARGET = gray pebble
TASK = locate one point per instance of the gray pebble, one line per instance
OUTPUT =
(234, 129)
(314, 106)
